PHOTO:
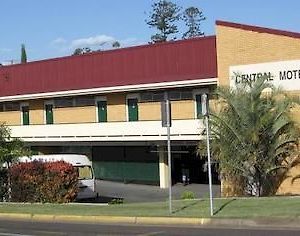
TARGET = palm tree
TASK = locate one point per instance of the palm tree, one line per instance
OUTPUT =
(254, 137)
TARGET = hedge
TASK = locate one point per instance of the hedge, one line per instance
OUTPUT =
(55, 182)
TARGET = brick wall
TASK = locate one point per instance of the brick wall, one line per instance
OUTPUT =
(237, 46)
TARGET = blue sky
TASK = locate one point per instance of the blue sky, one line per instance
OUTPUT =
(53, 28)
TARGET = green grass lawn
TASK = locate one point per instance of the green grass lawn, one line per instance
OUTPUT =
(224, 208)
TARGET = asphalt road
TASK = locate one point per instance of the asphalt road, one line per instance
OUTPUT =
(23, 228)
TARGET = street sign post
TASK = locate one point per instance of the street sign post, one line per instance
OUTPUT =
(166, 112)
(205, 113)
(166, 122)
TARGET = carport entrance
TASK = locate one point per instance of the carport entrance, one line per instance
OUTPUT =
(187, 167)
(128, 164)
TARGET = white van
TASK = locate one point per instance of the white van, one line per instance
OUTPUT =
(86, 175)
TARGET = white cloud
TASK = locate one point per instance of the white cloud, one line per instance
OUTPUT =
(59, 41)
(103, 42)
(130, 42)
(97, 40)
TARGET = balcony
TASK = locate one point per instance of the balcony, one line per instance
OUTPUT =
(185, 130)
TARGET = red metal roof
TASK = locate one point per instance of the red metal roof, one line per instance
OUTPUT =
(164, 62)
(259, 29)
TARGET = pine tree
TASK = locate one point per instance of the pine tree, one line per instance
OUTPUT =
(192, 17)
(80, 51)
(23, 54)
(163, 17)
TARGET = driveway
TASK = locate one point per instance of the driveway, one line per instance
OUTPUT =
(148, 193)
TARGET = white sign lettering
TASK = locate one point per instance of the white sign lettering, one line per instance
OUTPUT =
(283, 74)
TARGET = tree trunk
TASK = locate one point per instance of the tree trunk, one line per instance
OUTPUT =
(8, 183)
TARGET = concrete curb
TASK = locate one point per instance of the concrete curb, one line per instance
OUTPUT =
(171, 221)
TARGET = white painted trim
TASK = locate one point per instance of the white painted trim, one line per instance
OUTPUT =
(99, 99)
(132, 96)
(23, 104)
(113, 89)
(48, 102)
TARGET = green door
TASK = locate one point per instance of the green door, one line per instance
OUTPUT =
(198, 105)
(49, 113)
(25, 115)
(133, 109)
(102, 111)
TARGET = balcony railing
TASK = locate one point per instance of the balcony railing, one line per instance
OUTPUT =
(111, 131)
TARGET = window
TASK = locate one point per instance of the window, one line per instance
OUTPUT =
(49, 113)
(1, 107)
(185, 95)
(158, 97)
(84, 172)
(25, 114)
(63, 102)
(12, 106)
(146, 97)
(132, 109)
(102, 109)
(84, 101)
(174, 95)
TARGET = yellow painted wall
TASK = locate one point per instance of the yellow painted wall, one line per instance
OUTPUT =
(184, 109)
(291, 184)
(149, 111)
(116, 107)
(10, 117)
(296, 114)
(241, 47)
(74, 115)
(116, 111)
(36, 112)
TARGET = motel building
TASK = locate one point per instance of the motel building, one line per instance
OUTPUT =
(107, 104)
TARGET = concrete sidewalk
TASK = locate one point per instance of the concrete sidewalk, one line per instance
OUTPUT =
(149, 193)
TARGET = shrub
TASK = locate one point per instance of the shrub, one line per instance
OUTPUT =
(116, 201)
(188, 195)
(25, 179)
(43, 182)
(61, 184)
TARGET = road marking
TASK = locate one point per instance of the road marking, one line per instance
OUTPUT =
(9, 234)
(152, 233)
(40, 232)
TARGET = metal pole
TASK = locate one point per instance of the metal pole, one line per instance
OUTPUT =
(209, 168)
(169, 151)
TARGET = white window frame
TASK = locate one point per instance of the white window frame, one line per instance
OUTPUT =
(23, 104)
(198, 92)
(131, 96)
(100, 99)
(48, 102)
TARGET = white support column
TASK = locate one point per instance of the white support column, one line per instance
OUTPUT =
(163, 167)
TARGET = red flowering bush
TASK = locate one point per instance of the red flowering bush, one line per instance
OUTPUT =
(43, 182)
